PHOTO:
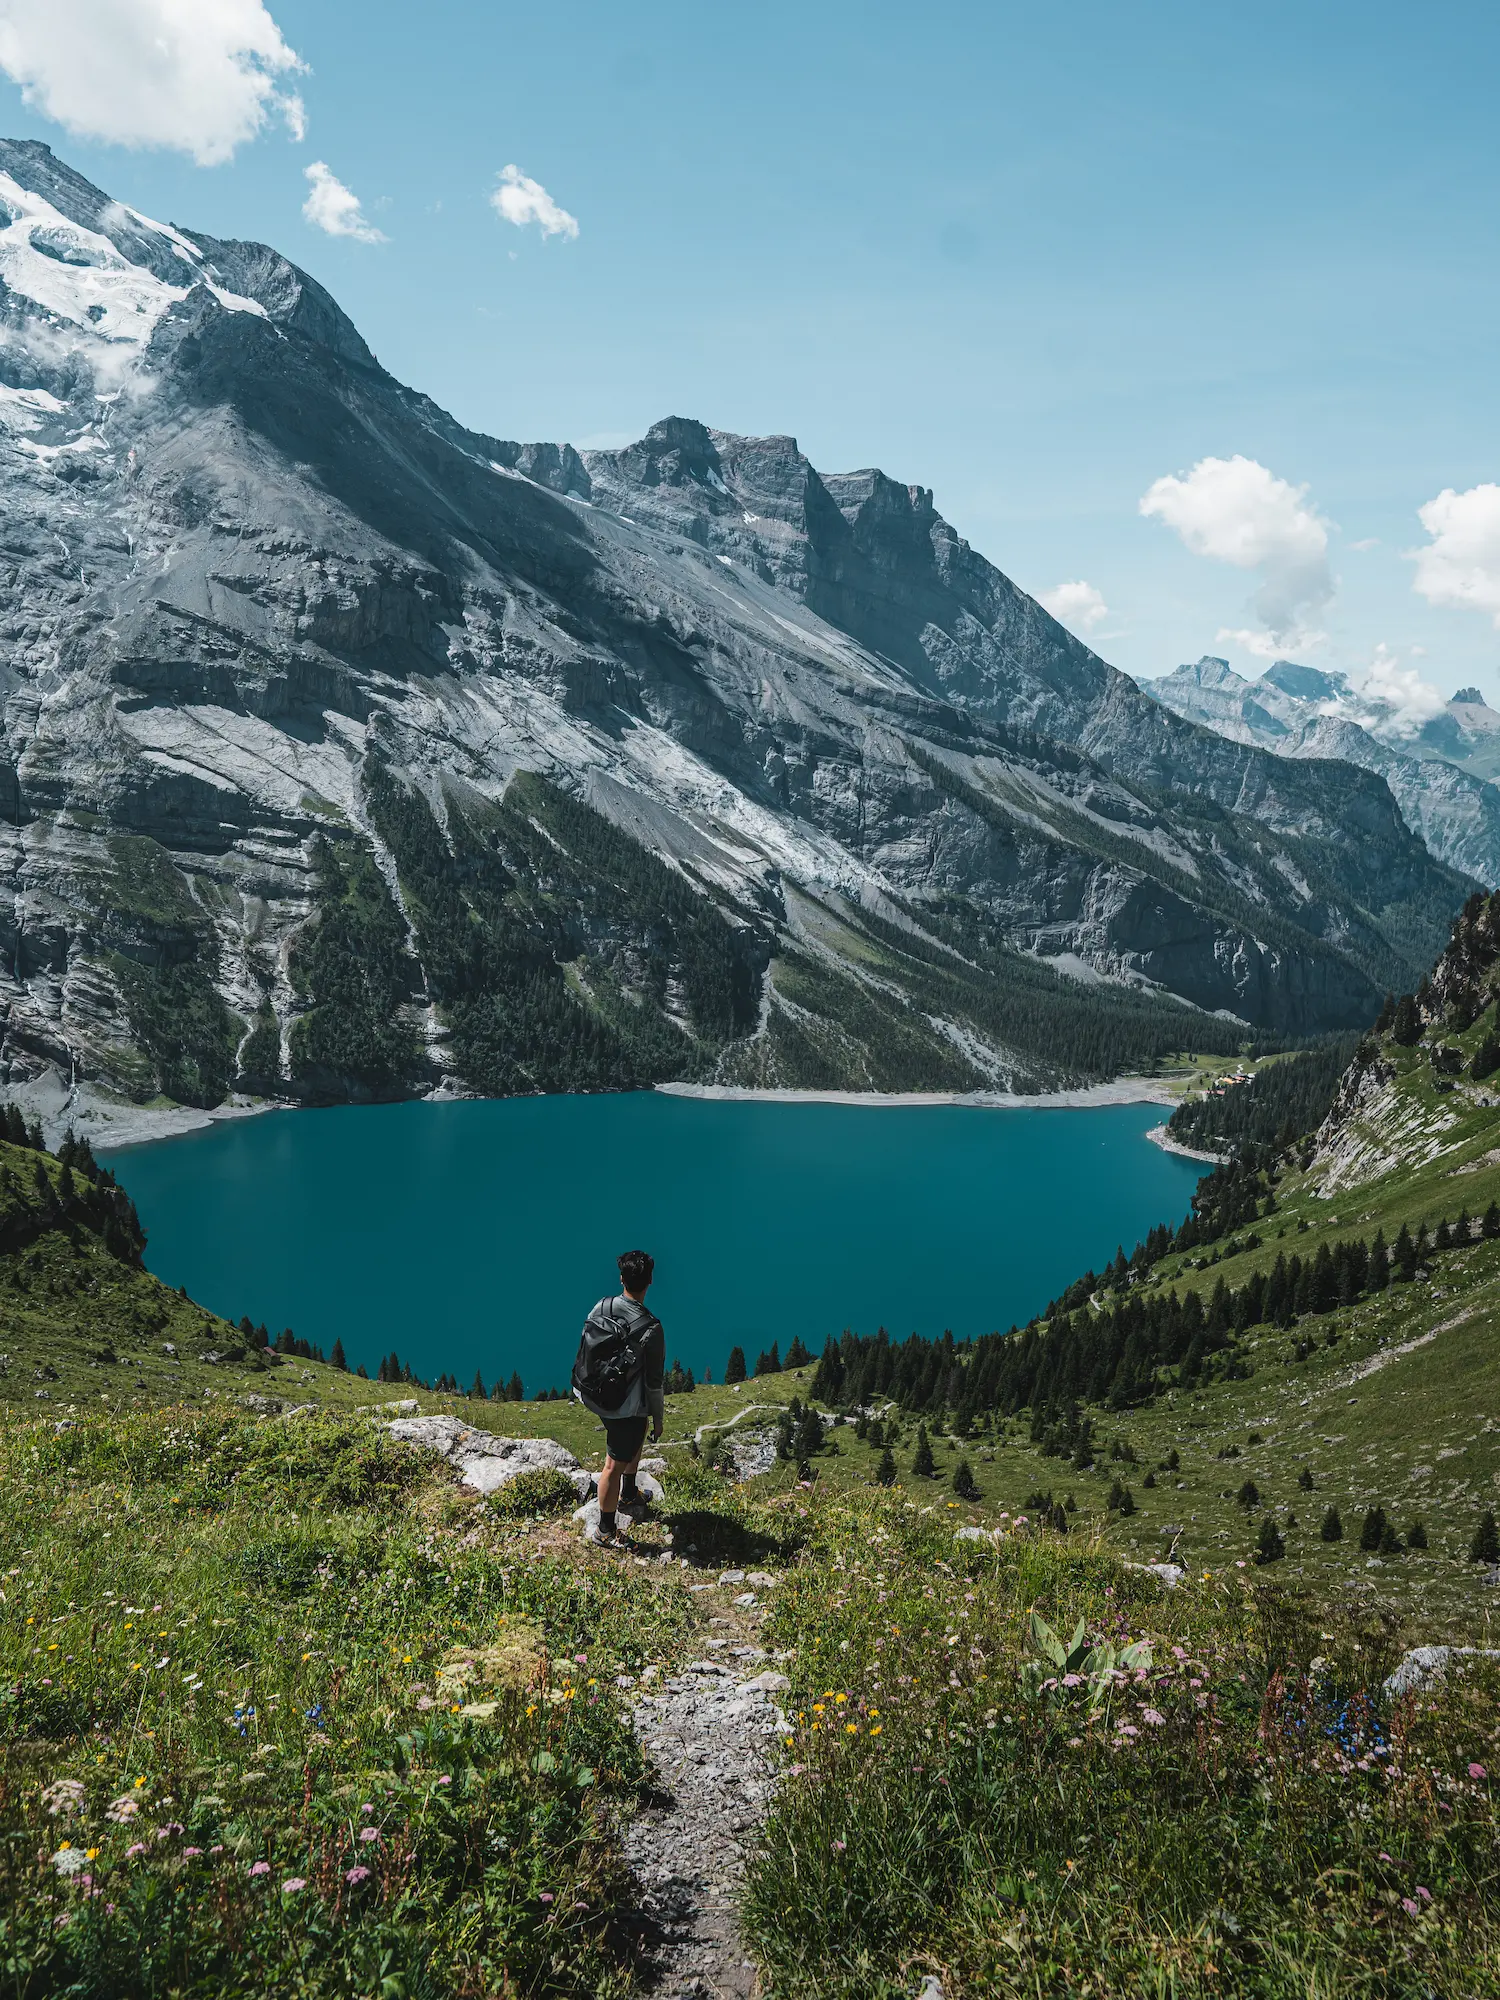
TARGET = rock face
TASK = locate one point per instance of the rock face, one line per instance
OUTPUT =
(345, 752)
(1438, 773)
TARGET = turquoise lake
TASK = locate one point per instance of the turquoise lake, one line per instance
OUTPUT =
(477, 1234)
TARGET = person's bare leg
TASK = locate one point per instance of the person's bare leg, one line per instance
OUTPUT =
(609, 1483)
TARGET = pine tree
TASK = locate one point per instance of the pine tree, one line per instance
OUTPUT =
(963, 1481)
(1270, 1548)
(785, 1432)
(885, 1471)
(1332, 1529)
(1416, 1536)
(515, 1389)
(922, 1464)
(1390, 1541)
(1305, 1479)
(734, 1367)
(479, 1389)
(1490, 1225)
(1379, 1275)
(1248, 1496)
(1386, 1015)
(797, 1355)
(1405, 1255)
(337, 1357)
(1406, 1024)
(1485, 1547)
(1373, 1529)
(809, 1434)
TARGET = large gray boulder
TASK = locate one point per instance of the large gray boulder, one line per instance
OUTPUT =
(487, 1462)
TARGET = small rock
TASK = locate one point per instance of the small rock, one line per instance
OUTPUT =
(760, 1579)
(745, 1598)
(167, 1347)
(931, 1988)
(731, 1576)
(1424, 1666)
(767, 1683)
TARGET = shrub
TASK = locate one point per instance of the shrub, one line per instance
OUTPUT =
(1305, 1480)
(963, 1481)
(1332, 1529)
(885, 1471)
(1485, 1547)
(1270, 1547)
(1416, 1536)
(1248, 1495)
(1372, 1530)
(923, 1464)
(540, 1490)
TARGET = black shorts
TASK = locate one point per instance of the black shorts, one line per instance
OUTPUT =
(625, 1438)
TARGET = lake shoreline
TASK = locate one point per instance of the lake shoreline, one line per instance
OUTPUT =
(111, 1125)
(1124, 1090)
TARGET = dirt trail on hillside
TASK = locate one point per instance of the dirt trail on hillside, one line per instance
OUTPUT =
(708, 1731)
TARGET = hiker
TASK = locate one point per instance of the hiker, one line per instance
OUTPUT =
(621, 1363)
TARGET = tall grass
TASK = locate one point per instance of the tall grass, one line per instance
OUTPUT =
(1249, 1814)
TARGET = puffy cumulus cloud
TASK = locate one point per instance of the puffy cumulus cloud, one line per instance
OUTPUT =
(1394, 697)
(335, 209)
(1237, 511)
(520, 199)
(202, 76)
(1079, 606)
(1461, 563)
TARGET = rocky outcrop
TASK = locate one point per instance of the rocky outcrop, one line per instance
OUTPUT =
(264, 611)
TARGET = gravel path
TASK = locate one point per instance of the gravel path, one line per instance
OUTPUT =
(708, 1731)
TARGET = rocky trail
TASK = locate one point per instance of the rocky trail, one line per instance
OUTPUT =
(707, 1732)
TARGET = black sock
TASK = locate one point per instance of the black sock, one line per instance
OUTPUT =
(630, 1491)
(607, 1521)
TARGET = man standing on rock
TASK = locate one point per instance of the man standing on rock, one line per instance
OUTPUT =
(621, 1365)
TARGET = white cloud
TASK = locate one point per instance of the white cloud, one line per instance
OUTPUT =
(1238, 512)
(1407, 701)
(520, 199)
(202, 76)
(1079, 605)
(1461, 564)
(332, 207)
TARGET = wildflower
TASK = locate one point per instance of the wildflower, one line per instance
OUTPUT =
(260, 1867)
(545, 1897)
(580, 1659)
(68, 1860)
(369, 1833)
(1478, 1771)
(191, 1853)
(876, 1730)
(354, 1876)
(1412, 1909)
(138, 1847)
(367, 1808)
(1425, 1894)
(292, 1884)
(1153, 1716)
(445, 1781)
(851, 1729)
(63, 1796)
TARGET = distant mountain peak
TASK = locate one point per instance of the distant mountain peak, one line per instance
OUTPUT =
(1470, 697)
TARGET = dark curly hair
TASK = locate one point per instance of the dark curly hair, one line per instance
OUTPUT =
(636, 1268)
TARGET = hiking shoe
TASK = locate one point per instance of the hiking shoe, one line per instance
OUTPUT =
(636, 1505)
(609, 1538)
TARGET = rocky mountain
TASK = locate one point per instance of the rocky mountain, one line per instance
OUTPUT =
(1438, 773)
(347, 752)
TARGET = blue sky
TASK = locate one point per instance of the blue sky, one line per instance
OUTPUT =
(1038, 259)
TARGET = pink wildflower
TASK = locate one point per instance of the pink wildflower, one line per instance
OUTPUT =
(260, 1867)
(1478, 1771)
(1425, 1894)
(1153, 1716)
(292, 1884)
(354, 1876)
(1412, 1909)
(369, 1833)
(545, 1897)
(191, 1853)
